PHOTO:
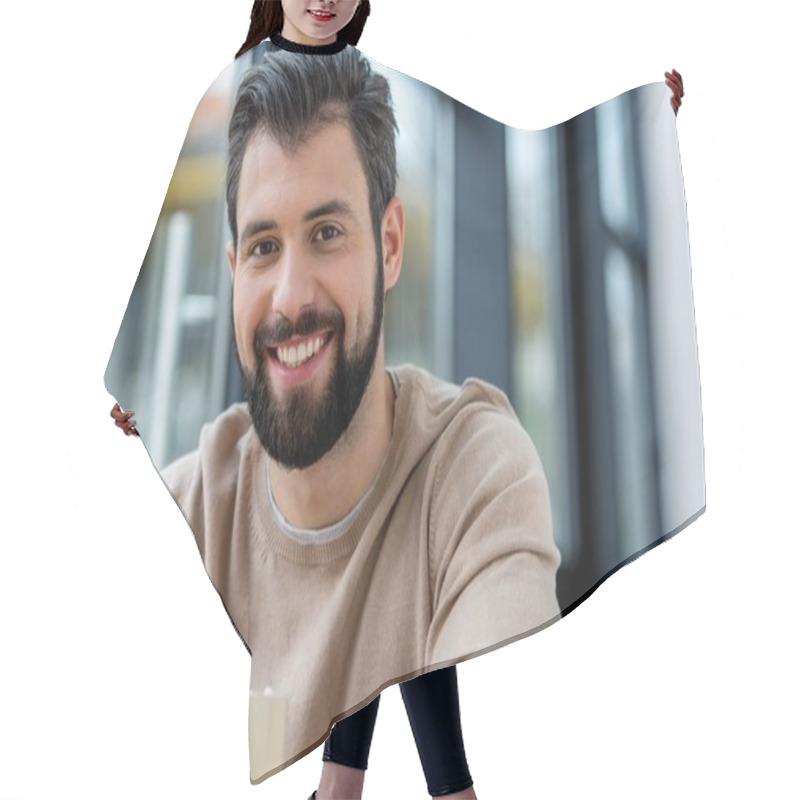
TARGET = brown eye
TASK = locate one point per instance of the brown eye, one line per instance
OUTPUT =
(327, 232)
(265, 248)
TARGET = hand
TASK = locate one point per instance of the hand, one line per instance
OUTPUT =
(124, 420)
(675, 82)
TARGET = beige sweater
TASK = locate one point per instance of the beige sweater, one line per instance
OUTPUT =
(450, 555)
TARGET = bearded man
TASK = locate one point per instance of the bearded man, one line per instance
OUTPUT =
(362, 525)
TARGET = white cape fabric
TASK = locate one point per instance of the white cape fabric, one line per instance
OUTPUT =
(552, 264)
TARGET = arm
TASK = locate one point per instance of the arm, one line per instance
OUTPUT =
(494, 559)
(205, 486)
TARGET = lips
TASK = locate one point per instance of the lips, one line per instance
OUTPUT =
(321, 16)
(296, 361)
(299, 351)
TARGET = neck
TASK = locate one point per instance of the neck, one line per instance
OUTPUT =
(298, 37)
(322, 494)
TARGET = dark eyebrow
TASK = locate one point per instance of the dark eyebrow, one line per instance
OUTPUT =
(254, 228)
(332, 207)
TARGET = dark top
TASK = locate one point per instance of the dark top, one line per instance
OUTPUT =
(317, 50)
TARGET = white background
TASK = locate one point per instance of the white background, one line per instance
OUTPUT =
(120, 675)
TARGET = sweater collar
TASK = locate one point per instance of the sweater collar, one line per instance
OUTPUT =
(312, 50)
(407, 446)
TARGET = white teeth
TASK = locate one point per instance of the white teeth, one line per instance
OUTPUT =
(294, 356)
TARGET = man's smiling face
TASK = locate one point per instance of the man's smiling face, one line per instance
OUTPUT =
(308, 291)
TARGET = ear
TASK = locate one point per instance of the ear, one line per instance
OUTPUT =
(393, 229)
(231, 253)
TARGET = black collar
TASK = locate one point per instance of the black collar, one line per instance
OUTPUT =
(313, 50)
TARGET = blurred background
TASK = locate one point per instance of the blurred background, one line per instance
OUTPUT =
(553, 263)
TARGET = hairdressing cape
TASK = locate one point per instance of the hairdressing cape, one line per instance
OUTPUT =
(551, 264)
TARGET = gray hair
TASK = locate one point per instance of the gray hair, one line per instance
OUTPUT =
(290, 96)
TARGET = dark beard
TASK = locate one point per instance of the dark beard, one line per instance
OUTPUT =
(298, 432)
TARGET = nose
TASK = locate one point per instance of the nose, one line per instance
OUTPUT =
(295, 285)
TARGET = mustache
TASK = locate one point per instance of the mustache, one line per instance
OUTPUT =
(272, 334)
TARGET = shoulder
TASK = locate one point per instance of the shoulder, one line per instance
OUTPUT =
(484, 450)
(474, 418)
(487, 423)
(436, 397)
(472, 441)
(227, 433)
(221, 448)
